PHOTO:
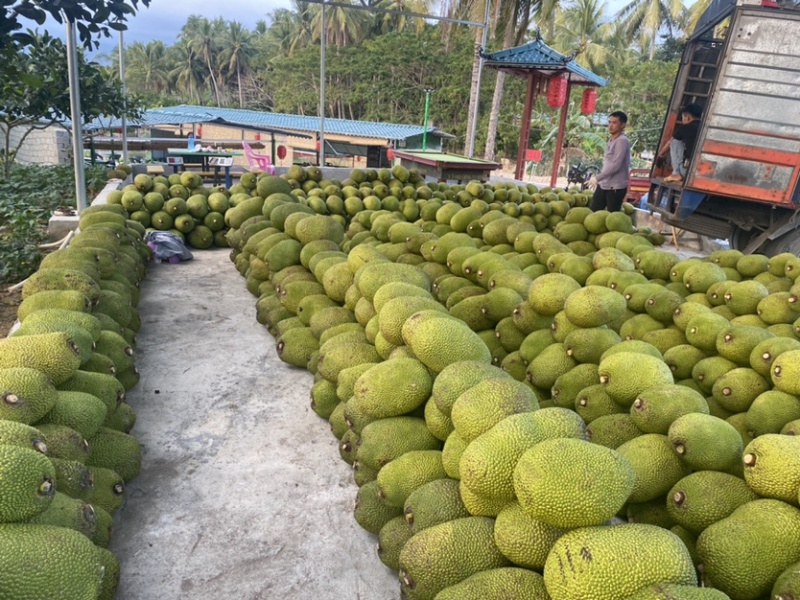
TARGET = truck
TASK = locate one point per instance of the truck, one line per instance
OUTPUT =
(742, 65)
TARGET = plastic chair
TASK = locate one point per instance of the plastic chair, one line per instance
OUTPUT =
(261, 162)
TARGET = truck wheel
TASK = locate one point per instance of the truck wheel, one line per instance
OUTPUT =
(788, 242)
(741, 237)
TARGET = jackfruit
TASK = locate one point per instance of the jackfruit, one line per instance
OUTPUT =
(45, 561)
(70, 300)
(295, 346)
(593, 402)
(482, 406)
(72, 478)
(415, 468)
(671, 591)
(705, 497)
(738, 342)
(548, 293)
(657, 466)
(787, 586)
(54, 354)
(108, 491)
(657, 407)
(772, 466)
(614, 374)
(508, 582)
(440, 341)
(771, 411)
(370, 511)
(743, 554)
(785, 372)
(435, 502)
(608, 563)
(27, 483)
(392, 538)
(64, 442)
(384, 440)
(80, 411)
(446, 554)
(705, 442)
(702, 330)
(764, 353)
(115, 450)
(27, 394)
(706, 372)
(571, 483)
(439, 424)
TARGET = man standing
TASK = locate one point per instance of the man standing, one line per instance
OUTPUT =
(612, 181)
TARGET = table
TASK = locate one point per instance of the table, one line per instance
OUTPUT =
(445, 166)
(215, 160)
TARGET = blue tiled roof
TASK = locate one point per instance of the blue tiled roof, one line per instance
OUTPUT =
(174, 115)
(537, 55)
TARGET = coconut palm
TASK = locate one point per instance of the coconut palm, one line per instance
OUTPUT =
(580, 31)
(201, 35)
(644, 19)
(236, 52)
(343, 27)
(392, 22)
(187, 70)
(146, 63)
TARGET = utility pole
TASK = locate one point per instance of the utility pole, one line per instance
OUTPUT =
(124, 93)
(428, 93)
(75, 115)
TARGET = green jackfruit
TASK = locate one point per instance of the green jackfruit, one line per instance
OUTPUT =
(657, 407)
(117, 451)
(415, 468)
(69, 300)
(772, 466)
(705, 442)
(387, 439)
(27, 483)
(614, 372)
(26, 394)
(785, 372)
(671, 591)
(572, 483)
(446, 554)
(656, 464)
(61, 279)
(391, 540)
(72, 478)
(594, 306)
(587, 345)
(68, 512)
(295, 346)
(771, 411)
(548, 293)
(64, 442)
(482, 406)
(523, 539)
(44, 561)
(54, 354)
(593, 402)
(370, 511)
(787, 586)
(108, 491)
(508, 582)
(607, 563)
(13, 433)
(80, 411)
(745, 553)
(440, 341)
(454, 447)
(705, 497)
(435, 502)
(738, 342)
(393, 388)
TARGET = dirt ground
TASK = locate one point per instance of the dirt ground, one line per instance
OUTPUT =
(9, 301)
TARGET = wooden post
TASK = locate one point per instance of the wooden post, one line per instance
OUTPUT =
(525, 130)
(562, 124)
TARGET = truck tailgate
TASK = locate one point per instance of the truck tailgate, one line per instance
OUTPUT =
(749, 143)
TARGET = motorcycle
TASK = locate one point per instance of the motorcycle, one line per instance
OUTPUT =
(580, 174)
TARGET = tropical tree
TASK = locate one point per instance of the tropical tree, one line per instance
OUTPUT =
(201, 37)
(147, 64)
(385, 22)
(187, 70)
(643, 19)
(236, 52)
(580, 31)
(343, 26)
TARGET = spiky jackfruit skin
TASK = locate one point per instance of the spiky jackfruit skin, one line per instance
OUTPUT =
(54, 354)
(69, 300)
(614, 372)
(705, 497)
(656, 464)
(399, 478)
(657, 407)
(61, 279)
(72, 513)
(72, 478)
(393, 388)
(44, 561)
(772, 466)
(457, 378)
(27, 483)
(80, 411)
(572, 483)
(13, 433)
(441, 341)
(391, 540)
(122, 418)
(385, 440)
(117, 349)
(339, 358)
(745, 553)
(771, 411)
(108, 491)
(523, 539)
(111, 571)
(508, 582)
(117, 451)
(607, 563)
(296, 346)
(370, 511)
(484, 405)
(446, 554)
(435, 502)
(671, 591)
(705, 442)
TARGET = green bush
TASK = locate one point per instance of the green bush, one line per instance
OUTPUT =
(27, 199)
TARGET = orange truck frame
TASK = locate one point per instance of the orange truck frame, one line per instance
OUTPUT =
(743, 66)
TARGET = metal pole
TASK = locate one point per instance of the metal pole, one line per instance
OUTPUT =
(562, 125)
(75, 115)
(124, 92)
(425, 120)
(474, 121)
(322, 90)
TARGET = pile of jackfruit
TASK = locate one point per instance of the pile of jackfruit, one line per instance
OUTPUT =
(65, 448)
(538, 402)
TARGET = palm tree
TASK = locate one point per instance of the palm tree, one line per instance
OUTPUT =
(389, 22)
(147, 64)
(187, 70)
(644, 19)
(343, 27)
(200, 34)
(236, 53)
(580, 31)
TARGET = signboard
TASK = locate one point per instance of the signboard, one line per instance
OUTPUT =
(533, 155)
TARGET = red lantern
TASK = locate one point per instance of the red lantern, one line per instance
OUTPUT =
(199, 131)
(258, 137)
(390, 154)
(556, 92)
(281, 151)
(588, 101)
(318, 145)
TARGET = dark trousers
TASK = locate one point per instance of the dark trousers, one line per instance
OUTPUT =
(610, 200)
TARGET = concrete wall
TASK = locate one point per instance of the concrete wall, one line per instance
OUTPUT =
(49, 146)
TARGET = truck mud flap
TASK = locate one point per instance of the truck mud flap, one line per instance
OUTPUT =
(689, 202)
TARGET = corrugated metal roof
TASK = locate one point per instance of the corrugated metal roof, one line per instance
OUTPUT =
(537, 55)
(185, 113)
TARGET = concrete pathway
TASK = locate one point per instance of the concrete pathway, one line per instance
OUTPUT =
(242, 494)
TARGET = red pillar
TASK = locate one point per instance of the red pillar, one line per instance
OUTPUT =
(562, 125)
(525, 130)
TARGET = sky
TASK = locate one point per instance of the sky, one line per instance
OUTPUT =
(163, 19)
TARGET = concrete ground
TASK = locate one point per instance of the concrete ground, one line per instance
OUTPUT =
(242, 494)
